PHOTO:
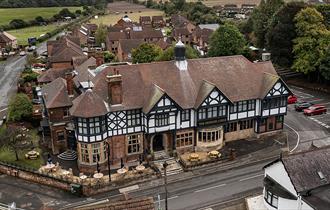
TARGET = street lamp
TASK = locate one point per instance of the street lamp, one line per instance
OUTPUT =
(165, 164)
(108, 153)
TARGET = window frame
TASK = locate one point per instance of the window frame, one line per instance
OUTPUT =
(133, 118)
(185, 115)
(184, 139)
(138, 138)
(162, 119)
(62, 136)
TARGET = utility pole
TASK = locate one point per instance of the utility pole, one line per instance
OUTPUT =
(165, 184)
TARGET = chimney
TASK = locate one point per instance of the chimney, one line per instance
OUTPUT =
(265, 56)
(115, 89)
(69, 83)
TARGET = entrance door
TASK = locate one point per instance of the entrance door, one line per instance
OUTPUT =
(271, 123)
(157, 143)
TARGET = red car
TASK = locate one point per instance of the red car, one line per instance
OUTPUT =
(292, 99)
(315, 110)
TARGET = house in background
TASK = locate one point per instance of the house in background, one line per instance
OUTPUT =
(201, 36)
(145, 21)
(7, 40)
(298, 181)
(158, 21)
(61, 52)
(86, 33)
(125, 48)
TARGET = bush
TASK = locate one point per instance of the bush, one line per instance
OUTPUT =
(30, 77)
(18, 23)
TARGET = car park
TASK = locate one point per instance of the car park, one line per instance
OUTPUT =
(300, 106)
(292, 99)
(315, 110)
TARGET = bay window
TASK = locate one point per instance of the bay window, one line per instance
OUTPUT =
(210, 135)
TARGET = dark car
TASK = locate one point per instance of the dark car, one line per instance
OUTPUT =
(36, 101)
(315, 110)
(300, 106)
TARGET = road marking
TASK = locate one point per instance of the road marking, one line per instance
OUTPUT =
(161, 200)
(209, 188)
(298, 137)
(251, 177)
(315, 100)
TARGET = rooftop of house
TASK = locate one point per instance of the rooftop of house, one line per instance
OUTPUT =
(6, 37)
(142, 83)
(157, 18)
(52, 74)
(308, 170)
(146, 33)
(65, 49)
(127, 45)
(55, 94)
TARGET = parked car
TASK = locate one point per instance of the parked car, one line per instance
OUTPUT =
(315, 110)
(22, 53)
(36, 101)
(300, 106)
(292, 99)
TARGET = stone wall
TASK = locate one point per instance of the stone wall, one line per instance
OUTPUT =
(35, 177)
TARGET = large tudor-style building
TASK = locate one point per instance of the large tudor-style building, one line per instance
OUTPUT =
(175, 106)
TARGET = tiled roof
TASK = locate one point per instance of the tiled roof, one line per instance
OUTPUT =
(88, 104)
(146, 33)
(55, 94)
(115, 36)
(130, 204)
(126, 45)
(157, 18)
(6, 37)
(78, 60)
(52, 74)
(64, 50)
(180, 31)
(83, 73)
(145, 18)
(235, 76)
(303, 169)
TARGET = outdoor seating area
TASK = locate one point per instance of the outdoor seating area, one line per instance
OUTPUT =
(32, 155)
(97, 178)
(198, 158)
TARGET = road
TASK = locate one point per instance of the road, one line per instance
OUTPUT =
(314, 129)
(9, 74)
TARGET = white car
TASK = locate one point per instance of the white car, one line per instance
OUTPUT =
(22, 53)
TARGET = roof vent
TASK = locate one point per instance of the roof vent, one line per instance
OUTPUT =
(180, 51)
(321, 175)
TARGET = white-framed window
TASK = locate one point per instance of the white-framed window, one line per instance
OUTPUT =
(271, 199)
(133, 118)
(210, 135)
(184, 139)
(134, 143)
(84, 153)
(96, 152)
(162, 119)
(185, 115)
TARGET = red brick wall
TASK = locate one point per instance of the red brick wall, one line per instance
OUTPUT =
(118, 148)
(57, 114)
(58, 146)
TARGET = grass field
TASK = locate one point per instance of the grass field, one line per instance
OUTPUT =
(34, 31)
(6, 15)
(9, 156)
(113, 18)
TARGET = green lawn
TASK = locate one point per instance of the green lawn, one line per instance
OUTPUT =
(34, 31)
(26, 14)
(9, 156)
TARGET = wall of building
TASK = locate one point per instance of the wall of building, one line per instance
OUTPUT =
(239, 134)
(58, 146)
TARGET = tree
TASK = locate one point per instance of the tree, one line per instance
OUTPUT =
(168, 54)
(20, 107)
(281, 33)
(226, 40)
(146, 53)
(40, 19)
(101, 34)
(108, 56)
(12, 138)
(325, 65)
(312, 42)
(261, 17)
(18, 23)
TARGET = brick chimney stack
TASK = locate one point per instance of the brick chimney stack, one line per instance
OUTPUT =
(69, 83)
(115, 89)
